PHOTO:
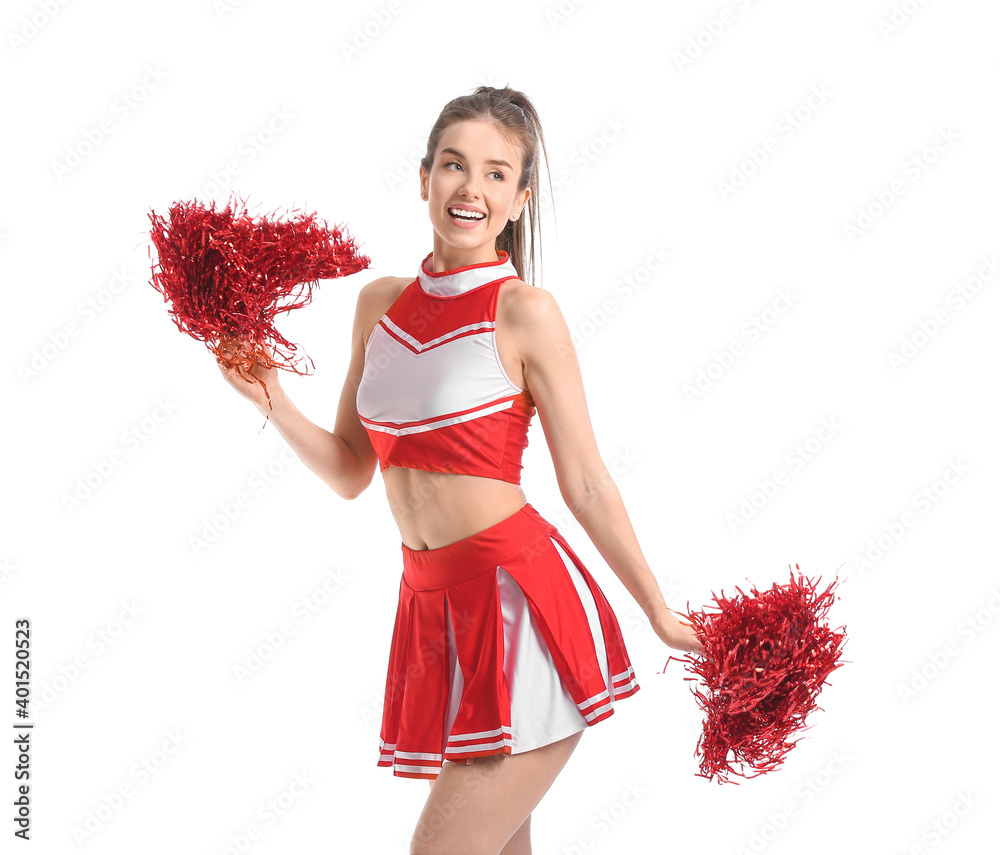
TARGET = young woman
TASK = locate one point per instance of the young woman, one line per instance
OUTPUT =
(504, 648)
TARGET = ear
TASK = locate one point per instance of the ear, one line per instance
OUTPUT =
(523, 199)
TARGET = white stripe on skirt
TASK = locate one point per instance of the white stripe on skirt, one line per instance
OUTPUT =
(542, 710)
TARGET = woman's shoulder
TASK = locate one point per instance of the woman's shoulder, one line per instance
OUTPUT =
(521, 296)
(381, 293)
(526, 310)
(384, 285)
(375, 298)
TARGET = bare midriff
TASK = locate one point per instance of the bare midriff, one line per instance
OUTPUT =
(433, 509)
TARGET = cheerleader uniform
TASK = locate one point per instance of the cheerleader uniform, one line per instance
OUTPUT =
(503, 641)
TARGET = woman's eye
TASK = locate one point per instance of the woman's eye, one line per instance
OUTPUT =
(456, 163)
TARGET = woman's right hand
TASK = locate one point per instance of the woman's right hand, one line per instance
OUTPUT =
(246, 387)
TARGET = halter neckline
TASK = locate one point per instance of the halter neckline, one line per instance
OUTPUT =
(461, 280)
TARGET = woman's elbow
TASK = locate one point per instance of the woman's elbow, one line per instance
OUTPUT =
(353, 490)
(584, 486)
(357, 478)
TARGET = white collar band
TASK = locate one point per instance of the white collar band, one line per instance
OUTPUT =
(460, 280)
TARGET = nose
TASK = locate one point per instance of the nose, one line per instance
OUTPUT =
(470, 187)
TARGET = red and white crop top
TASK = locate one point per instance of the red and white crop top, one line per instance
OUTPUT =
(434, 394)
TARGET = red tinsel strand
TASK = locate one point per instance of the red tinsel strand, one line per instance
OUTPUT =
(226, 275)
(767, 655)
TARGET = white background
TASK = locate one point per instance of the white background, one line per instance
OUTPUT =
(648, 111)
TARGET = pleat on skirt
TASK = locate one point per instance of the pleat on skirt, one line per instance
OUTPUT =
(503, 642)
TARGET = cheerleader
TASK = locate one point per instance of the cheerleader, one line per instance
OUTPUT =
(504, 648)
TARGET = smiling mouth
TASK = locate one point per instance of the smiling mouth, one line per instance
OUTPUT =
(465, 216)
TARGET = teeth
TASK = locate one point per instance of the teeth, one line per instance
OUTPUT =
(470, 215)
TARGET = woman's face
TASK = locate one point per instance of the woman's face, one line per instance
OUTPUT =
(474, 168)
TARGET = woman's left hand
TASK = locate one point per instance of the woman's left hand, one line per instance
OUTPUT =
(674, 632)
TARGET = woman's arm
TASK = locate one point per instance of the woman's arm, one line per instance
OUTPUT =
(342, 458)
(552, 375)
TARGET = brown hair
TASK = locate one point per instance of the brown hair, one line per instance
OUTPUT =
(513, 115)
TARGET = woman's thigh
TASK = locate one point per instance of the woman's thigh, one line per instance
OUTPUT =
(520, 840)
(474, 810)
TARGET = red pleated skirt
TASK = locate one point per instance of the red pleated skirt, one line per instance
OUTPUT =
(503, 642)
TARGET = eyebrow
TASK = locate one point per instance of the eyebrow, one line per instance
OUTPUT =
(454, 151)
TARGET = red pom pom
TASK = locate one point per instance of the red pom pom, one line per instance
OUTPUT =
(227, 275)
(767, 655)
